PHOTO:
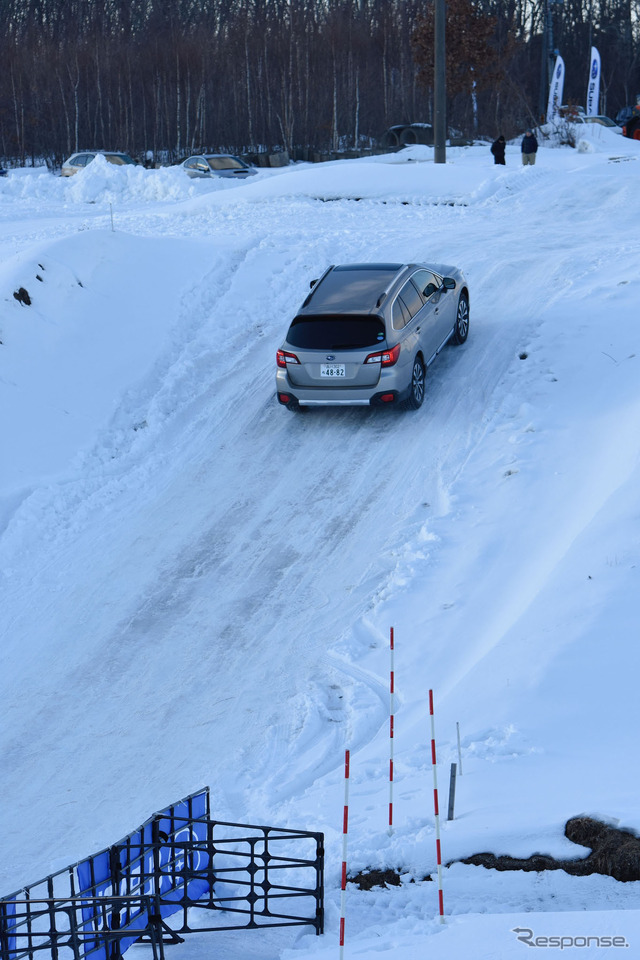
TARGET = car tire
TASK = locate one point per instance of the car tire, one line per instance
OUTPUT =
(461, 329)
(416, 395)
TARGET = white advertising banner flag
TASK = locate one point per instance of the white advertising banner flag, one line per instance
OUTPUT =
(593, 89)
(555, 90)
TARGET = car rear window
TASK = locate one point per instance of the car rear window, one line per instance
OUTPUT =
(336, 332)
(118, 158)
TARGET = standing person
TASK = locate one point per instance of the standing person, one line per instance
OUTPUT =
(529, 148)
(497, 149)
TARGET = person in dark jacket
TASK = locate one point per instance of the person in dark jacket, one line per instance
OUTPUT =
(497, 149)
(529, 148)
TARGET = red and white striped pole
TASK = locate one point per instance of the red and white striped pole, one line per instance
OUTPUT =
(391, 724)
(435, 807)
(345, 831)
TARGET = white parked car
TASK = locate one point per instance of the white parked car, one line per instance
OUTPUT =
(78, 161)
(601, 119)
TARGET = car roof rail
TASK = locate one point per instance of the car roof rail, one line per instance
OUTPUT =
(316, 285)
(385, 292)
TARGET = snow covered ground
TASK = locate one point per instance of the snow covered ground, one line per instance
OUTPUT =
(198, 587)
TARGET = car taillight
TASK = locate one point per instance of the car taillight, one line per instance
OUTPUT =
(283, 358)
(386, 358)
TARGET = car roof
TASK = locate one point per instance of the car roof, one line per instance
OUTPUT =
(352, 287)
(95, 153)
(215, 156)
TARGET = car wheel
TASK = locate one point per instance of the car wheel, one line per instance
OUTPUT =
(461, 329)
(414, 401)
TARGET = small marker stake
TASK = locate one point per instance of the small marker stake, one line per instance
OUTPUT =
(436, 809)
(391, 726)
(345, 831)
(452, 792)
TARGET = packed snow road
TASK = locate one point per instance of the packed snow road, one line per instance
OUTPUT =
(251, 536)
(193, 598)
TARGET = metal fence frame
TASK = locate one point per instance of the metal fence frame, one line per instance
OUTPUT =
(61, 928)
(246, 876)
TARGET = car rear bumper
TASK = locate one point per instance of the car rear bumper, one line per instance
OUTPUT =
(339, 398)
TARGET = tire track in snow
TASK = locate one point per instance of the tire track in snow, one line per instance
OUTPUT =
(248, 545)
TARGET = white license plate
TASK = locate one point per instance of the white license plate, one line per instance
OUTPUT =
(334, 371)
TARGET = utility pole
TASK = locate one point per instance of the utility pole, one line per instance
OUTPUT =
(440, 86)
(544, 82)
(549, 54)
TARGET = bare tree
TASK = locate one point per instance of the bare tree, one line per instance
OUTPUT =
(249, 75)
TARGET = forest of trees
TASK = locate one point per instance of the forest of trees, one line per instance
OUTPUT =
(178, 76)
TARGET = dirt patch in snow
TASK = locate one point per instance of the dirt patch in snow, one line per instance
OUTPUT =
(614, 853)
(367, 879)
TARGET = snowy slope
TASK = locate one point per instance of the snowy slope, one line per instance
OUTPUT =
(198, 587)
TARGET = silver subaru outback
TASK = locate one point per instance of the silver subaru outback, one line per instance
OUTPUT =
(367, 332)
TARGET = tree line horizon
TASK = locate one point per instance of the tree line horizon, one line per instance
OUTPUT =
(243, 76)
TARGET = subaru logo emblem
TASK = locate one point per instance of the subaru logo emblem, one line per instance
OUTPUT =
(594, 69)
(330, 356)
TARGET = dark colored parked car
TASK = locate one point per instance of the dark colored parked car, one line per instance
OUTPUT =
(631, 128)
(407, 134)
(623, 115)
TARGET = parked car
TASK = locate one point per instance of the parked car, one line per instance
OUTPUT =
(78, 161)
(406, 134)
(624, 114)
(601, 119)
(367, 332)
(631, 128)
(217, 165)
(571, 110)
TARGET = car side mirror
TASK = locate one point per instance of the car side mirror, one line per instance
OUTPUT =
(312, 284)
(449, 283)
(429, 290)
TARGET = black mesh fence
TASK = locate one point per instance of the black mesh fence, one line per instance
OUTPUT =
(244, 876)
